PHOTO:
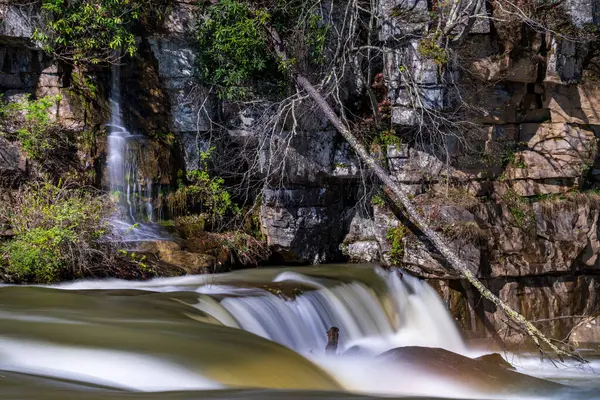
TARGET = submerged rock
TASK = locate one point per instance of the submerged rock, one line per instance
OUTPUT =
(481, 375)
(496, 360)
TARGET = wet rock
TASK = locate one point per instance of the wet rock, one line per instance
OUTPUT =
(479, 375)
(207, 243)
(496, 360)
(193, 263)
(171, 252)
(156, 246)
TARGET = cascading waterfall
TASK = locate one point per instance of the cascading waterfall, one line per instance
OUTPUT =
(176, 334)
(124, 152)
(411, 313)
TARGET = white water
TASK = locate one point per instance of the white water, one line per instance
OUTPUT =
(387, 312)
(417, 316)
(409, 314)
(102, 367)
(123, 164)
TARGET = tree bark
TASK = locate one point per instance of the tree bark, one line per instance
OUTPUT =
(399, 196)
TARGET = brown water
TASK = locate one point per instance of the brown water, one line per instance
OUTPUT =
(230, 336)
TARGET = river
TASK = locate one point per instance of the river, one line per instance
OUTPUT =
(247, 334)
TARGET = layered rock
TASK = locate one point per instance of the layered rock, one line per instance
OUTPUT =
(514, 201)
(302, 211)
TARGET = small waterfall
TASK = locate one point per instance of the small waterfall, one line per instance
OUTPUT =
(411, 313)
(125, 152)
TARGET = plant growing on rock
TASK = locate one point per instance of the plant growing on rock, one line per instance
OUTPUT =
(203, 193)
(93, 31)
(521, 211)
(30, 122)
(395, 237)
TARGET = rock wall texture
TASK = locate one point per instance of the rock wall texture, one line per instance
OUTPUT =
(520, 205)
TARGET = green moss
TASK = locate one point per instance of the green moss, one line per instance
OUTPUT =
(377, 200)
(395, 237)
(429, 48)
(388, 138)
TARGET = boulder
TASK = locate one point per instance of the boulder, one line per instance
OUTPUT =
(192, 263)
(482, 376)
(496, 360)
(171, 252)
(13, 163)
(586, 333)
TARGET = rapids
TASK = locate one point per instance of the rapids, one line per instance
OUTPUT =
(247, 334)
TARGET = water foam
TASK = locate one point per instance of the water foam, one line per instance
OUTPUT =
(103, 367)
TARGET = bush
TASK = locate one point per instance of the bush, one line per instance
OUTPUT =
(32, 126)
(91, 31)
(233, 46)
(57, 231)
(522, 215)
(235, 52)
(202, 194)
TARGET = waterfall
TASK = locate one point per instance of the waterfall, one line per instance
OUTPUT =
(410, 314)
(125, 152)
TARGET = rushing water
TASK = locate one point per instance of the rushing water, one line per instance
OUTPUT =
(125, 153)
(247, 334)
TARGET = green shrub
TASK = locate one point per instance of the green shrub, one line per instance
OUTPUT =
(83, 31)
(57, 231)
(36, 256)
(235, 50)
(233, 46)
(388, 138)
(204, 194)
(429, 48)
(35, 130)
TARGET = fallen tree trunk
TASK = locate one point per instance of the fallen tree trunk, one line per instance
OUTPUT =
(401, 199)
(399, 196)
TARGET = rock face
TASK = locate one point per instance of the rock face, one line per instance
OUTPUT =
(13, 164)
(518, 201)
(304, 220)
(586, 332)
